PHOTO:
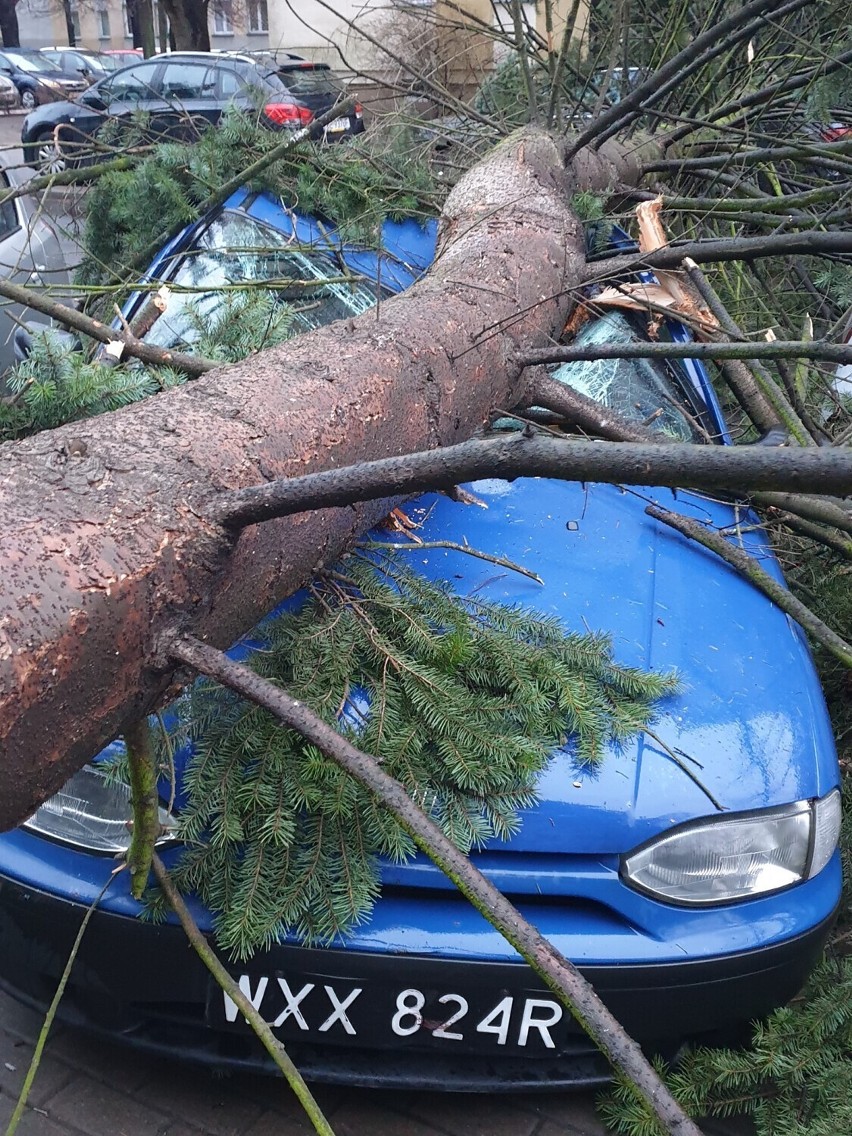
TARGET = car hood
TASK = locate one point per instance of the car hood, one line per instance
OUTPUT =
(748, 729)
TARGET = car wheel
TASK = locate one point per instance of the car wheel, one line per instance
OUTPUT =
(28, 99)
(49, 156)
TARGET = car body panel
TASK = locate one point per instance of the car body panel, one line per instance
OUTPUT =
(31, 253)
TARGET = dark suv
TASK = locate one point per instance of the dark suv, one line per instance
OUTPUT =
(185, 92)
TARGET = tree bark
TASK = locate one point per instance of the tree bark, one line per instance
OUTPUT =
(188, 24)
(106, 550)
(9, 23)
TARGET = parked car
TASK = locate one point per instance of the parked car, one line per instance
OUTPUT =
(120, 57)
(76, 62)
(689, 919)
(30, 253)
(9, 97)
(185, 92)
(37, 79)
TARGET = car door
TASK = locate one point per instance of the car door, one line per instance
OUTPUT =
(190, 102)
(133, 90)
(29, 254)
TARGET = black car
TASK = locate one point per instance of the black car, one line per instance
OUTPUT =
(185, 92)
(37, 78)
(77, 63)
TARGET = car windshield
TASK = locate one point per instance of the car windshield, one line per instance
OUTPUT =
(234, 250)
(642, 390)
(29, 62)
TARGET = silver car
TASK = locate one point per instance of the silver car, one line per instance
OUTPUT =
(31, 253)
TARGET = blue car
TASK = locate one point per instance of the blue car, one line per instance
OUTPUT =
(689, 919)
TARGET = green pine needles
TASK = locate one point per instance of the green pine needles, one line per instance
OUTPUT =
(795, 1080)
(461, 700)
(55, 385)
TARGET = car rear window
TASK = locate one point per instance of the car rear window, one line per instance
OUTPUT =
(309, 80)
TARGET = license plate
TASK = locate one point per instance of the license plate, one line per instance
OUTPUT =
(336, 125)
(344, 1011)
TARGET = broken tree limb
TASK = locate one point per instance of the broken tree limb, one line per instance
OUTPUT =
(581, 411)
(106, 549)
(777, 349)
(192, 365)
(737, 469)
(829, 244)
(560, 975)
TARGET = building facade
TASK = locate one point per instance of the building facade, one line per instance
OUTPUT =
(103, 25)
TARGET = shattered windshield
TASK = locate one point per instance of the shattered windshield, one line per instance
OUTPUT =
(641, 390)
(236, 251)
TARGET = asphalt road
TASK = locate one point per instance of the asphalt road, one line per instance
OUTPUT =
(93, 1088)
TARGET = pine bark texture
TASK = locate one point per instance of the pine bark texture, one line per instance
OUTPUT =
(106, 554)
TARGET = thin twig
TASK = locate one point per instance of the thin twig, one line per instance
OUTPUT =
(454, 547)
(261, 1028)
(35, 1061)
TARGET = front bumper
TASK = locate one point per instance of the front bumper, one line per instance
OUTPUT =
(142, 984)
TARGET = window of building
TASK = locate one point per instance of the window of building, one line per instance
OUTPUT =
(103, 23)
(128, 27)
(258, 16)
(223, 17)
(75, 23)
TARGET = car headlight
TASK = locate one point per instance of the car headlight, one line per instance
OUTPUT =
(89, 812)
(737, 857)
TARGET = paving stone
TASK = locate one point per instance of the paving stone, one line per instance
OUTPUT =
(99, 1110)
(15, 1060)
(366, 1116)
(221, 1107)
(554, 1128)
(577, 1109)
(33, 1123)
(107, 1061)
(274, 1124)
(465, 1114)
(21, 1022)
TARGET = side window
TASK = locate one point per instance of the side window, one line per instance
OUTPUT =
(183, 81)
(8, 212)
(133, 85)
(230, 84)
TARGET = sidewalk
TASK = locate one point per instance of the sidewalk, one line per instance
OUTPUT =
(92, 1088)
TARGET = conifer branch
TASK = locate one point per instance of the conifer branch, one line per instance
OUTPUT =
(192, 365)
(739, 469)
(826, 244)
(560, 975)
(261, 1028)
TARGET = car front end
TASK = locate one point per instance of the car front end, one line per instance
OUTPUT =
(693, 876)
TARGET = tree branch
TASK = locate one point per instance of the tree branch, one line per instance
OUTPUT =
(827, 244)
(261, 1028)
(739, 469)
(560, 975)
(192, 365)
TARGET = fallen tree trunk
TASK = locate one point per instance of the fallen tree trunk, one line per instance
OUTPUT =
(105, 552)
